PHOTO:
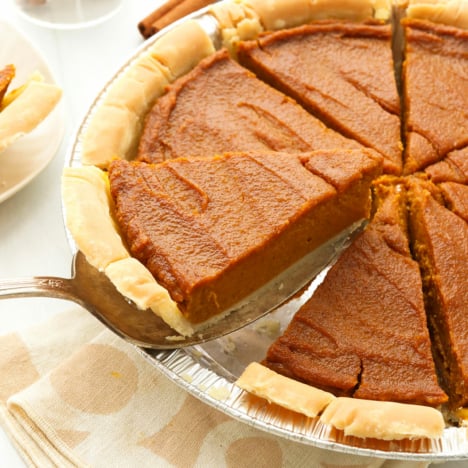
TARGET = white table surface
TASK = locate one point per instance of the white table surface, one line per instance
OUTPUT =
(32, 236)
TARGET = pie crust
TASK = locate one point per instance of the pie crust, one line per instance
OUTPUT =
(449, 12)
(85, 193)
(245, 19)
(283, 391)
(383, 419)
(355, 417)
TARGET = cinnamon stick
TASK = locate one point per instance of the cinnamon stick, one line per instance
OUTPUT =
(167, 13)
(145, 25)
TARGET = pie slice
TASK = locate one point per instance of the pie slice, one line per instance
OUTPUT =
(220, 107)
(364, 332)
(212, 230)
(440, 243)
(435, 82)
(340, 72)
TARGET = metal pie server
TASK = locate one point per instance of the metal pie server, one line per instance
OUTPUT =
(92, 290)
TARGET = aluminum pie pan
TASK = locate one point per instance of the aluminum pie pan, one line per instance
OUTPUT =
(209, 371)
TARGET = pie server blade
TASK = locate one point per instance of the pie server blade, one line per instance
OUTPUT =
(92, 290)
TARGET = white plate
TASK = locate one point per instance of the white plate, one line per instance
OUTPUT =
(209, 371)
(68, 14)
(30, 154)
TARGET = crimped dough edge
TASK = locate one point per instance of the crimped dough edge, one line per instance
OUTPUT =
(283, 391)
(384, 420)
(116, 125)
(355, 417)
(246, 19)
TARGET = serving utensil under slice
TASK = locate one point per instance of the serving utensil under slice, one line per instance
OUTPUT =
(91, 289)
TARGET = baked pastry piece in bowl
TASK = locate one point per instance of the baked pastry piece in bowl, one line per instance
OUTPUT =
(24, 108)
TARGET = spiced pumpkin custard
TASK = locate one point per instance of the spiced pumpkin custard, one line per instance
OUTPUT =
(212, 230)
(345, 77)
(220, 106)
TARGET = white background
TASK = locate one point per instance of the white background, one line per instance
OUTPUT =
(32, 236)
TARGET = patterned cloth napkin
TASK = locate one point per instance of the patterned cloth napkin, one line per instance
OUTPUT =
(74, 394)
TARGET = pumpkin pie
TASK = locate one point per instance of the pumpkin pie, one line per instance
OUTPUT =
(240, 162)
(364, 331)
(341, 72)
(212, 230)
(220, 106)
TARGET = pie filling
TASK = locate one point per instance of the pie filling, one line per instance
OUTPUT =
(237, 112)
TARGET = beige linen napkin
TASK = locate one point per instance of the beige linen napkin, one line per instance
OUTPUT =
(74, 394)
